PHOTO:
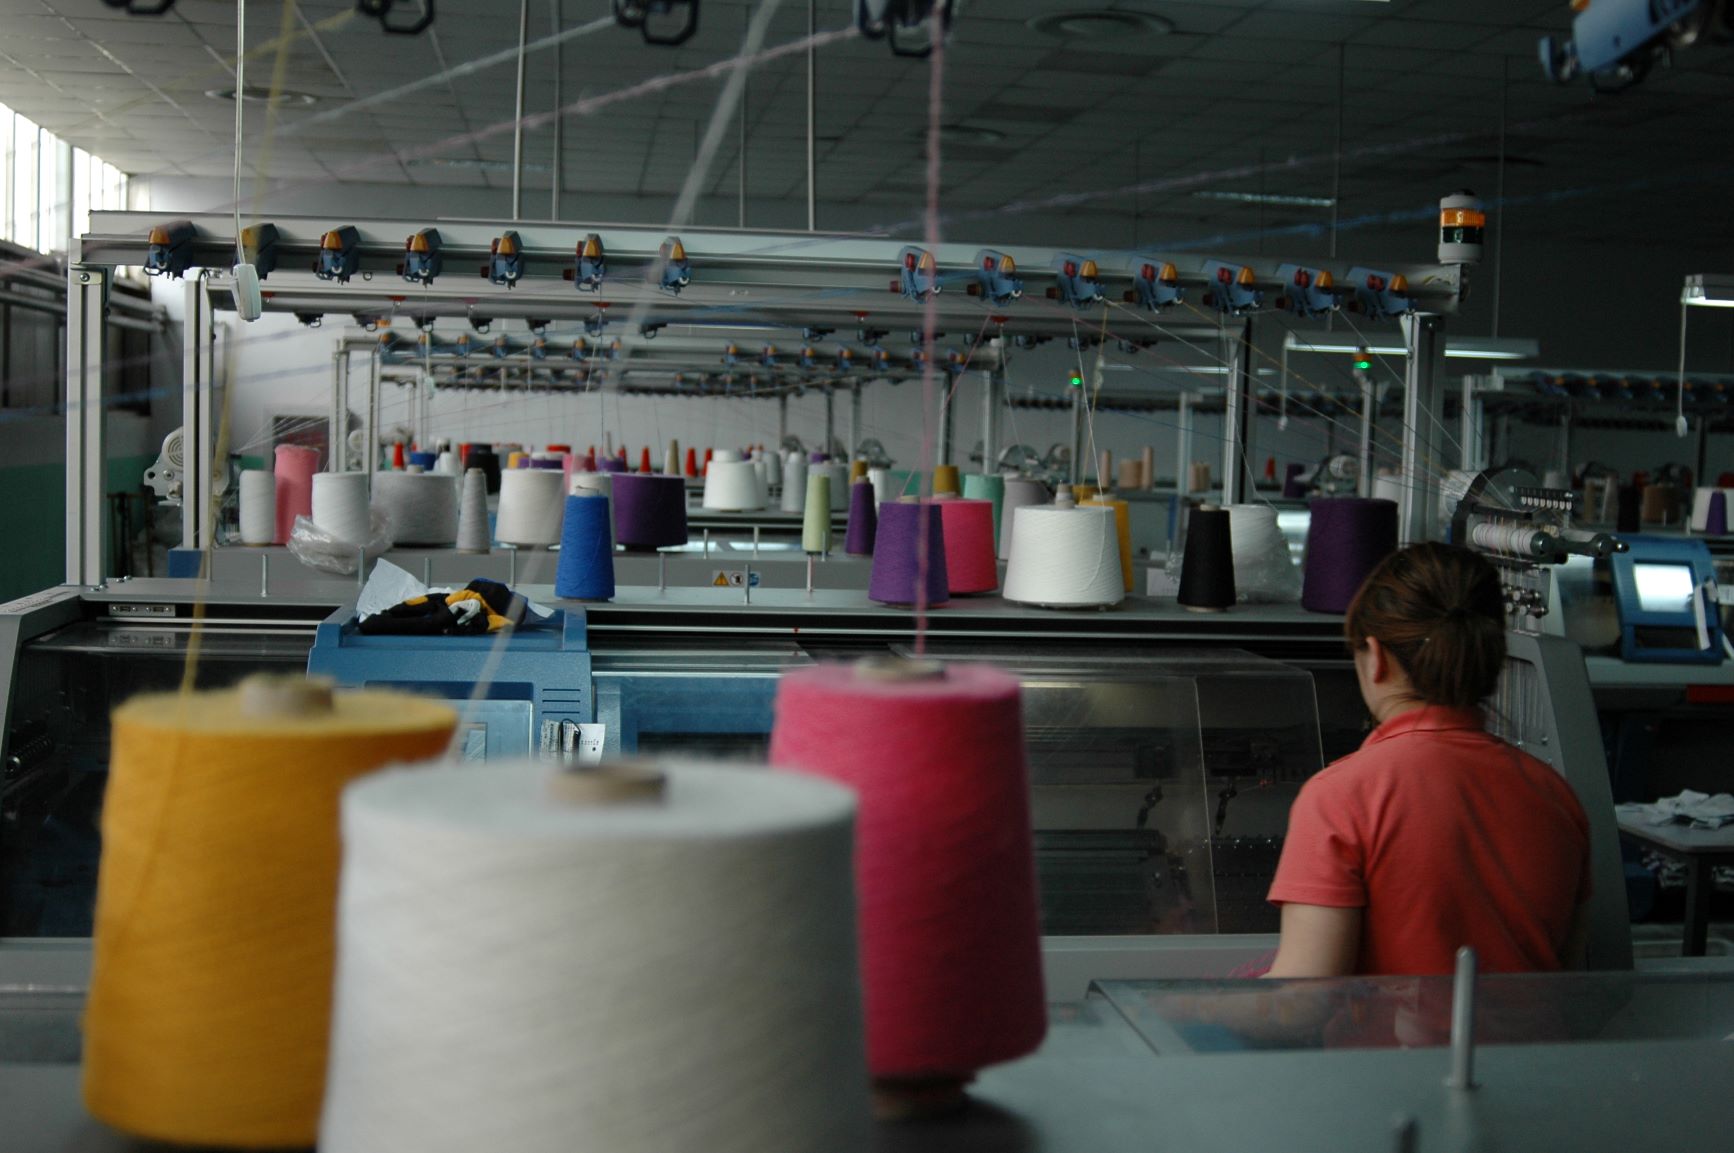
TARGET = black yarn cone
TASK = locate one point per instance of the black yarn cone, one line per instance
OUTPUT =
(1207, 568)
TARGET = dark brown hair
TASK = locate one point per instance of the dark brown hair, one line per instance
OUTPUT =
(1439, 611)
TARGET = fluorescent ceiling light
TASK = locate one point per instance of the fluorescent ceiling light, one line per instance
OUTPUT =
(1277, 198)
(1706, 291)
(1456, 348)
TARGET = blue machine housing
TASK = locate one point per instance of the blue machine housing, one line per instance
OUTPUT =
(543, 674)
(1671, 635)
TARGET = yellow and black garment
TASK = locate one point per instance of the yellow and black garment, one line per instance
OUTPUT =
(482, 606)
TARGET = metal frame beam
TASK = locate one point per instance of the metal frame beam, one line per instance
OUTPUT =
(1423, 417)
(86, 418)
(1237, 412)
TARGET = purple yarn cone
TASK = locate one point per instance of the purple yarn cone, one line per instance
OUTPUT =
(863, 520)
(1349, 536)
(896, 576)
(649, 511)
(1716, 517)
(610, 464)
(817, 457)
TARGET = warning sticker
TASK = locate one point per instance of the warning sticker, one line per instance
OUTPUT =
(732, 578)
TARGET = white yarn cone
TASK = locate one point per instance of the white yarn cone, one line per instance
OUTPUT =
(795, 483)
(422, 507)
(1020, 492)
(1064, 557)
(612, 989)
(1264, 571)
(258, 506)
(731, 485)
(762, 478)
(773, 469)
(532, 505)
(447, 463)
(473, 533)
(340, 505)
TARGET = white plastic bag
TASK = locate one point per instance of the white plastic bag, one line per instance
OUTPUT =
(316, 548)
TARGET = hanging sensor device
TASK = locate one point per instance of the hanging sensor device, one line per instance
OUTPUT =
(249, 301)
(1615, 43)
(1076, 281)
(1233, 288)
(1664, 588)
(653, 19)
(894, 21)
(1155, 284)
(1306, 292)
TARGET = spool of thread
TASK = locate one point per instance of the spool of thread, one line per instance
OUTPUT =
(649, 512)
(1716, 517)
(795, 483)
(474, 535)
(945, 480)
(1020, 492)
(258, 511)
(1628, 518)
(1389, 486)
(530, 509)
(863, 520)
(446, 463)
(773, 470)
(1347, 539)
(600, 483)
(1122, 533)
(1207, 570)
(1083, 492)
(340, 505)
(989, 487)
(671, 459)
(644, 461)
(818, 457)
(726, 456)
(950, 947)
(210, 992)
(1104, 468)
(633, 1004)
(561, 449)
(1198, 476)
(515, 460)
(422, 507)
(610, 464)
(692, 463)
(399, 460)
(1147, 466)
(839, 474)
(1131, 475)
(762, 480)
(707, 456)
(549, 460)
(971, 562)
(1292, 489)
(294, 469)
(1658, 503)
(731, 486)
(880, 479)
(857, 472)
(897, 577)
(1064, 557)
(424, 460)
(488, 462)
(816, 517)
(586, 568)
(1263, 568)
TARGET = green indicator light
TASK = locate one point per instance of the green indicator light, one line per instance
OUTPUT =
(1077, 381)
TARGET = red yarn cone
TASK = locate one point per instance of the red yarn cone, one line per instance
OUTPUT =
(644, 460)
(397, 456)
(692, 462)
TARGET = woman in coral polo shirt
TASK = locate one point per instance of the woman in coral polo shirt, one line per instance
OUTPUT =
(1435, 834)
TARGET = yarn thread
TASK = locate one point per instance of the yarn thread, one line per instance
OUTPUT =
(816, 517)
(586, 568)
(422, 507)
(530, 508)
(1020, 492)
(794, 483)
(649, 512)
(340, 505)
(1064, 558)
(989, 487)
(670, 975)
(210, 994)
(945, 480)
(258, 506)
(295, 466)
(1122, 532)
(1207, 566)
(950, 946)
(732, 486)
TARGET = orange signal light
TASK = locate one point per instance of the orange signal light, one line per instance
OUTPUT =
(1399, 284)
(677, 251)
(1325, 280)
(927, 262)
(159, 235)
(592, 246)
(1089, 270)
(1245, 277)
(416, 243)
(331, 241)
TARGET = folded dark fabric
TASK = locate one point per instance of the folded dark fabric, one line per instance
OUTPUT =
(482, 606)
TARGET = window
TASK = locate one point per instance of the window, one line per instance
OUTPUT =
(50, 187)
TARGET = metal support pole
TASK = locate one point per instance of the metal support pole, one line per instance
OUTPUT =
(746, 80)
(947, 428)
(812, 145)
(1369, 420)
(518, 127)
(1079, 403)
(854, 421)
(370, 450)
(1463, 1020)
(198, 423)
(830, 421)
(336, 422)
(992, 388)
(559, 121)
(1237, 412)
(1183, 442)
(782, 420)
(1471, 412)
(1424, 333)
(86, 442)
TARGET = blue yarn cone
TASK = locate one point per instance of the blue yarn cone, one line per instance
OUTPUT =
(586, 570)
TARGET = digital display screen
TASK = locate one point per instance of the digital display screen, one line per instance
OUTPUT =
(1663, 588)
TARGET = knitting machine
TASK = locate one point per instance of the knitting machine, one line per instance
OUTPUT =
(1522, 527)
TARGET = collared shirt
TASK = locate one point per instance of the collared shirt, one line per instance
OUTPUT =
(1446, 836)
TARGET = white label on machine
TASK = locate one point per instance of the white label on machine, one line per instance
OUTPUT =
(590, 741)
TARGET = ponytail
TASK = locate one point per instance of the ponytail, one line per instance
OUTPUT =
(1439, 611)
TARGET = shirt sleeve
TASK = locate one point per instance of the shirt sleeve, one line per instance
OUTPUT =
(1323, 857)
